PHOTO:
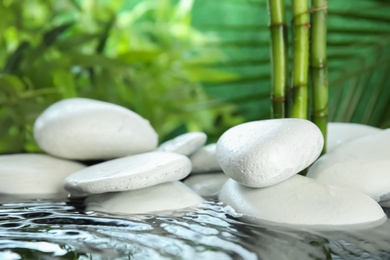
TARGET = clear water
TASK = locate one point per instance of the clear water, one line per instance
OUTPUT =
(58, 229)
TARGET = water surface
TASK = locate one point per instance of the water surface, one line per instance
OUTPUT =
(59, 229)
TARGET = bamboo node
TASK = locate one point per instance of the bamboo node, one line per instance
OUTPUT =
(319, 9)
(320, 114)
(300, 85)
(278, 99)
(277, 25)
(319, 66)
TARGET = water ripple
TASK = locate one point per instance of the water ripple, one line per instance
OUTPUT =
(63, 230)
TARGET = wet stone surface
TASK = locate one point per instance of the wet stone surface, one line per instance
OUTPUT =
(54, 229)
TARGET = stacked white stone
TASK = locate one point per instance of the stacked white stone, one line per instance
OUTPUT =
(254, 167)
(85, 129)
(263, 159)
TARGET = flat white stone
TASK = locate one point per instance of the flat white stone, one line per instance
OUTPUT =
(362, 164)
(34, 174)
(373, 146)
(304, 202)
(263, 153)
(185, 144)
(129, 173)
(86, 129)
(205, 160)
(207, 185)
(368, 175)
(339, 133)
(162, 197)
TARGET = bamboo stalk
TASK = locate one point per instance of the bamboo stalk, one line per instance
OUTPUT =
(278, 57)
(318, 66)
(301, 58)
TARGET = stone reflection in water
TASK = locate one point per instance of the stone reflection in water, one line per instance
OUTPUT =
(55, 229)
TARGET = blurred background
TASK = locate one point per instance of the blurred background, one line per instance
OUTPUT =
(185, 65)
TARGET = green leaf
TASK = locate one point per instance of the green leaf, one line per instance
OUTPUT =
(90, 60)
(51, 36)
(210, 75)
(15, 58)
(139, 56)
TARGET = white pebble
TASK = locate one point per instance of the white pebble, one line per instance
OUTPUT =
(34, 174)
(362, 164)
(263, 153)
(304, 202)
(129, 173)
(205, 160)
(185, 144)
(339, 133)
(207, 185)
(86, 129)
(163, 197)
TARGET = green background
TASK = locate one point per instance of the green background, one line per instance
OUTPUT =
(184, 65)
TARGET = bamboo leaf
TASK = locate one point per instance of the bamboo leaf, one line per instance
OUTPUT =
(210, 75)
(50, 37)
(15, 58)
(139, 56)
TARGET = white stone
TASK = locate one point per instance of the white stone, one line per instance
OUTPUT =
(263, 153)
(185, 144)
(370, 176)
(373, 146)
(207, 185)
(362, 164)
(339, 133)
(163, 197)
(205, 160)
(129, 173)
(34, 174)
(86, 129)
(304, 202)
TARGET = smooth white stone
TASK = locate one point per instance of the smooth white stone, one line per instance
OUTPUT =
(368, 175)
(374, 146)
(87, 129)
(185, 144)
(129, 173)
(162, 197)
(339, 133)
(34, 174)
(304, 202)
(207, 185)
(205, 160)
(362, 164)
(263, 153)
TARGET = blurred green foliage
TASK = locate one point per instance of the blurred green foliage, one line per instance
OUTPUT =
(144, 55)
(358, 48)
(184, 64)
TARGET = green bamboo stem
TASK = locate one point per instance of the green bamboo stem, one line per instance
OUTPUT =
(278, 57)
(301, 59)
(318, 66)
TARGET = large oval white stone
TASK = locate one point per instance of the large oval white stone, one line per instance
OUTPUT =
(362, 164)
(165, 196)
(207, 185)
(129, 173)
(34, 174)
(205, 160)
(339, 133)
(263, 153)
(303, 201)
(185, 144)
(87, 129)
